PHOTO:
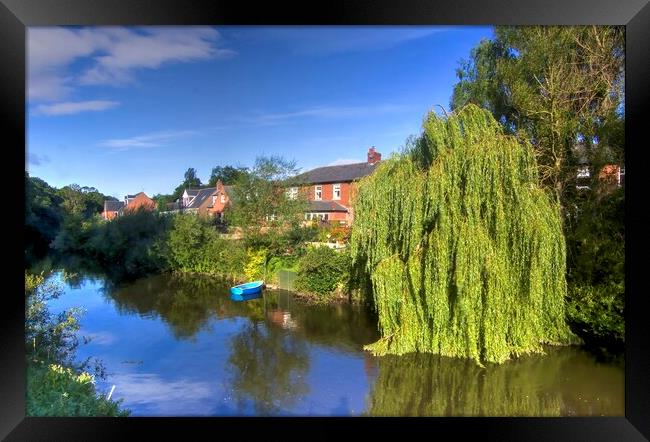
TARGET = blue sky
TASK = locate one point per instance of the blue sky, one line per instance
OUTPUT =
(130, 109)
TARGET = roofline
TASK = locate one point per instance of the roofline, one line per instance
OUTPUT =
(327, 182)
(326, 210)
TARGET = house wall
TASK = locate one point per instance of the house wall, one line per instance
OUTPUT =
(328, 192)
(218, 206)
(109, 215)
(140, 201)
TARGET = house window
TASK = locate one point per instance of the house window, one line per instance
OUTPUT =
(318, 194)
(214, 198)
(223, 199)
(583, 172)
(337, 191)
(621, 176)
(292, 193)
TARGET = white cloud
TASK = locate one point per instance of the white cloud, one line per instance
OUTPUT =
(154, 139)
(110, 55)
(74, 107)
(168, 397)
(329, 112)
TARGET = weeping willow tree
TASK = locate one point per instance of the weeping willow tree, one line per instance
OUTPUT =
(463, 251)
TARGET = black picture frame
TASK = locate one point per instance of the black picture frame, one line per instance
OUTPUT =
(16, 15)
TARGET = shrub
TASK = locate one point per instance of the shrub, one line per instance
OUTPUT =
(277, 263)
(322, 271)
(596, 272)
(194, 245)
(55, 385)
(255, 265)
(54, 390)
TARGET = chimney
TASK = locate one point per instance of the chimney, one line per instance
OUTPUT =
(373, 156)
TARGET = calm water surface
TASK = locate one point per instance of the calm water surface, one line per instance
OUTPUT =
(176, 346)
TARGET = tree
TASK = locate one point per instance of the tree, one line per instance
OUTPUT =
(43, 216)
(463, 249)
(261, 207)
(162, 201)
(227, 174)
(189, 180)
(558, 85)
(562, 87)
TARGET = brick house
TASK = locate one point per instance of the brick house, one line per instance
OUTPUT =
(112, 209)
(130, 203)
(207, 201)
(330, 189)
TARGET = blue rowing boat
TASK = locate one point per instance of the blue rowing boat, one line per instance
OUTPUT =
(244, 292)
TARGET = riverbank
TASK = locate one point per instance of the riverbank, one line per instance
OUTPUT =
(335, 298)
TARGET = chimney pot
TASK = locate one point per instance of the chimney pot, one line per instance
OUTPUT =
(373, 155)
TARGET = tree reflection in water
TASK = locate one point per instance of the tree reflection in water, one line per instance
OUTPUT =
(539, 385)
(268, 367)
(185, 302)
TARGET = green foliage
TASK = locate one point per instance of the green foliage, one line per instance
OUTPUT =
(558, 85)
(322, 271)
(596, 277)
(54, 390)
(464, 251)
(227, 174)
(193, 245)
(189, 180)
(255, 268)
(555, 84)
(56, 385)
(162, 201)
(261, 208)
(42, 215)
(133, 241)
(49, 210)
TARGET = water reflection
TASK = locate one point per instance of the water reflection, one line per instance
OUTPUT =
(185, 303)
(565, 382)
(268, 367)
(177, 345)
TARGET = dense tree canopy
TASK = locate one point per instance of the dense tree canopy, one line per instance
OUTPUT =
(560, 85)
(227, 174)
(189, 180)
(463, 249)
(261, 207)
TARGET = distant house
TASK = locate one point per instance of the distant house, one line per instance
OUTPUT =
(330, 189)
(130, 203)
(207, 201)
(611, 175)
(112, 209)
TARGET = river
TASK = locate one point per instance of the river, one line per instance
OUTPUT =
(178, 346)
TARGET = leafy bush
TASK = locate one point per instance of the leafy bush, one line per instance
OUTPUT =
(194, 245)
(56, 386)
(596, 272)
(597, 314)
(255, 265)
(54, 390)
(340, 233)
(277, 263)
(322, 271)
